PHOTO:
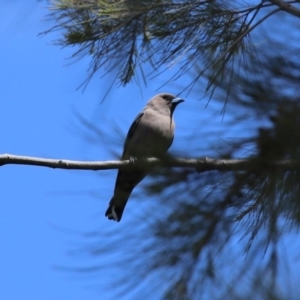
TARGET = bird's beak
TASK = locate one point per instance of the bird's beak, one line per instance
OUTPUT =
(176, 101)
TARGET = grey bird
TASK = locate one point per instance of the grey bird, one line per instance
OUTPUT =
(150, 135)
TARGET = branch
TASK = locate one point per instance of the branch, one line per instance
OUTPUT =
(200, 164)
(286, 6)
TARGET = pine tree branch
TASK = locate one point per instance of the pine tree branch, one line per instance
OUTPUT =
(200, 164)
(288, 7)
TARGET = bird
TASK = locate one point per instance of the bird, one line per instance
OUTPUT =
(150, 135)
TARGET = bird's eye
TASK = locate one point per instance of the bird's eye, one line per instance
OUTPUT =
(168, 97)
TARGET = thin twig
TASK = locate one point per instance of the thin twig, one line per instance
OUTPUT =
(200, 164)
(288, 7)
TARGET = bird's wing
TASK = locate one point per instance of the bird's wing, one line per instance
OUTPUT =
(171, 142)
(132, 130)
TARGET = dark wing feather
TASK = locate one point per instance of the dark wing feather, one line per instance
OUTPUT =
(171, 142)
(132, 129)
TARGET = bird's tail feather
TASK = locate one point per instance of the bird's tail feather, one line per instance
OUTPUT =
(125, 183)
(115, 209)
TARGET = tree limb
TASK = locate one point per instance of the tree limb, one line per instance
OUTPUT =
(288, 7)
(200, 164)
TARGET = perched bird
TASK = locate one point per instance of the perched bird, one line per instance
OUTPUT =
(150, 135)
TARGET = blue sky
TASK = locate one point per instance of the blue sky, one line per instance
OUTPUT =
(39, 205)
(38, 95)
(44, 213)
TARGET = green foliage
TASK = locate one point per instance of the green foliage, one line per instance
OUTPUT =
(123, 35)
(213, 212)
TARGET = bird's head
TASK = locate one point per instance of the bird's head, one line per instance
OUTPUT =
(169, 101)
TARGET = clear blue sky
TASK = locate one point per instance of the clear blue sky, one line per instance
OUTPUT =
(42, 210)
(37, 103)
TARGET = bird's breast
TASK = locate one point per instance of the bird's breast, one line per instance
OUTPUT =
(153, 137)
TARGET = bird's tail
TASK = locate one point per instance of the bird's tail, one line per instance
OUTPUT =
(116, 208)
(125, 183)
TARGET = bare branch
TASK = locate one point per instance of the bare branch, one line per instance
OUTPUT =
(200, 164)
(288, 7)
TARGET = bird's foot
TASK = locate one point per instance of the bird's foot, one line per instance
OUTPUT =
(132, 160)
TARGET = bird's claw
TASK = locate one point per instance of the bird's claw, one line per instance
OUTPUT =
(132, 160)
